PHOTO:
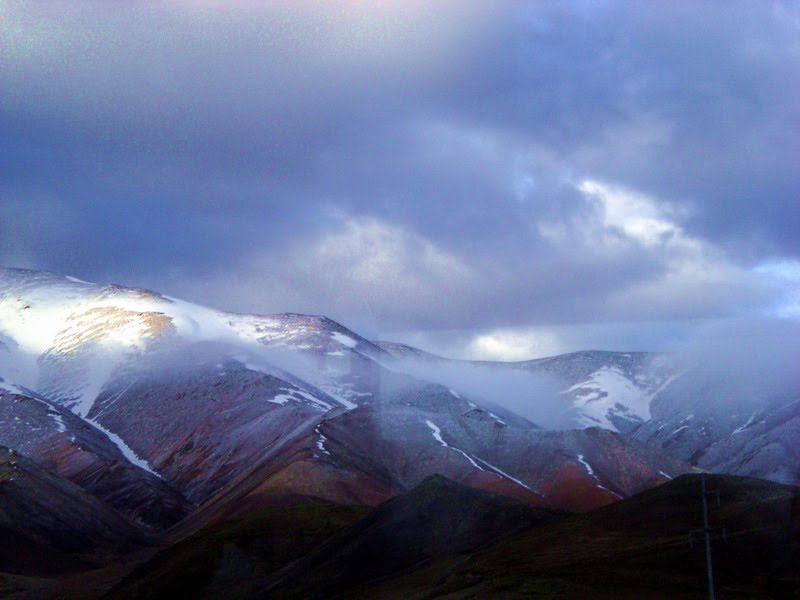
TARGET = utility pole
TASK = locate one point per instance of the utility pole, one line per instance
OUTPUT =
(706, 531)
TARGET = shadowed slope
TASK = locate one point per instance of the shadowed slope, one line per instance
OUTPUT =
(336, 548)
(639, 548)
(50, 525)
(435, 520)
(231, 559)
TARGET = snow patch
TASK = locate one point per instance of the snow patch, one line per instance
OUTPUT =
(281, 399)
(496, 418)
(59, 420)
(298, 395)
(126, 450)
(437, 435)
(591, 472)
(321, 441)
(587, 465)
(344, 340)
(746, 425)
(509, 477)
(312, 399)
(597, 398)
(341, 392)
(609, 392)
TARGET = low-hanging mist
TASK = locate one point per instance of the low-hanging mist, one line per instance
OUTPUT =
(534, 396)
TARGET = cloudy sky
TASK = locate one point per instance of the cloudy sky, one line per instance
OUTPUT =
(483, 178)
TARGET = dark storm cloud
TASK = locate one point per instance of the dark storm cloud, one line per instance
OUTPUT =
(403, 166)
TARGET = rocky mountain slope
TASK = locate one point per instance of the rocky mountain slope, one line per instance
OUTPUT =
(85, 455)
(744, 429)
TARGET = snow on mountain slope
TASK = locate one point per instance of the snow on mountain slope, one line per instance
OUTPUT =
(201, 423)
(210, 400)
(615, 400)
(612, 390)
(740, 427)
(416, 429)
(608, 393)
(118, 358)
(744, 422)
(77, 451)
(67, 337)
(334, 359)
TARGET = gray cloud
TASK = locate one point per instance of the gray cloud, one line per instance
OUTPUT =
(409, 168)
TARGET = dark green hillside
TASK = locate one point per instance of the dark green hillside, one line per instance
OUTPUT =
(230, 559)
(445, 540)
(638, 548)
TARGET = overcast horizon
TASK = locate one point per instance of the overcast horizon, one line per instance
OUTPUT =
(482, 179)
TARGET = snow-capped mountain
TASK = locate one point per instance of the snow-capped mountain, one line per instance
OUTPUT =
(68, 338)
(612, 390)
(222, 406)
(133, 419)
(155, 375)
(739, 423)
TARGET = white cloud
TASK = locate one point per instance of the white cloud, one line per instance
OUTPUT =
(688, 276)
(509, 344)
(634, 215)
(358, 266)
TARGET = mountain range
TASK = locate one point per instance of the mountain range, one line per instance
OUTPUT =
(133, 423)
